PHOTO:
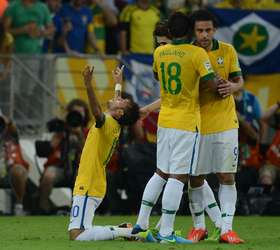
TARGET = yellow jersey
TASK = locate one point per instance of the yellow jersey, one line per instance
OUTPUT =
(141, 27)
(97, 151)
(218, 114)
(179, 67)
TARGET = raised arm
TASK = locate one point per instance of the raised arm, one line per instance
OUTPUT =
(270, 112)
(94, 103)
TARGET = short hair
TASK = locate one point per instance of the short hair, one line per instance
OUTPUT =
(161, 29)
(178, 25)
(81, 103)
(203, 15)
(131, 115)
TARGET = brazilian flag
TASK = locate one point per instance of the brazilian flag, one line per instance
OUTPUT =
(256, 37)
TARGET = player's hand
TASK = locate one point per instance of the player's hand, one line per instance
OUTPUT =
(225, 88)
(87, 74)
(118, 74)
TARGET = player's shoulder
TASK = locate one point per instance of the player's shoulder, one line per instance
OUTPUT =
(224, 45)
(196, 50)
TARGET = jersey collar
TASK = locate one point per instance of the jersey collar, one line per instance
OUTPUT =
(215, 44)
(180, 41)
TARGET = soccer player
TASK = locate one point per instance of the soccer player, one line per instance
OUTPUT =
(90, 185)
(161, 34)
(179, 67)
(218, 151)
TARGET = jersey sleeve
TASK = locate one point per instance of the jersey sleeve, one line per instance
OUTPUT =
(155, 61)
(234, 64)
(125, 18)
(203, 65)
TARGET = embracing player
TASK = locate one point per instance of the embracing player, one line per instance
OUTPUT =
(218, 151)
(179, 67)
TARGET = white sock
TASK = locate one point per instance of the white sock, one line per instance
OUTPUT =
(150, 196)
(196, 206)
(211, 205)
(170, 204)
(227, 197)
(96, 233)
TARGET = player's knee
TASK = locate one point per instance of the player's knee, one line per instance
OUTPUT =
(226, 178)
(196, 181)
(162, 174)
(74, 233)
(180, 177)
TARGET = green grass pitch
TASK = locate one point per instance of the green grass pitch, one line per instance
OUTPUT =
(50, 233)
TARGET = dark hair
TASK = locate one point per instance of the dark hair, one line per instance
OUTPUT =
(126, 95)
(161, 29)
(131, 115)
(178, 25)
(203, 15)
(81, 103)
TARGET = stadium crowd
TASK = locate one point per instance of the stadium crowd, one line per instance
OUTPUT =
(103, 27)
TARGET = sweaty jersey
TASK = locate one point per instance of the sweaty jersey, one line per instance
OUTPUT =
(97, 151)
(179, 67)
(218, 114)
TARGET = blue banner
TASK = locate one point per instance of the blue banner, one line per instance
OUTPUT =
(255, 36)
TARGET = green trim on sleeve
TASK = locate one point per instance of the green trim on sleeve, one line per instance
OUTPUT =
(234, 74)
(208, 77)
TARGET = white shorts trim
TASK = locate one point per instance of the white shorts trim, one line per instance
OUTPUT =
(218, 153)
(82, 211)
(177, 150)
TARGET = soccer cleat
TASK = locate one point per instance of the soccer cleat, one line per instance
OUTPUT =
(231, 237)
(140, 234)
(196, 235)
(215, 236)
(173, 238)
(146, 236)
(137, 229)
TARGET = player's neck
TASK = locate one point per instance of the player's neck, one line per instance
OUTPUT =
(209, 47)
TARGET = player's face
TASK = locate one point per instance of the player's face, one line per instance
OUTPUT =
(204, 32)
(119, 103)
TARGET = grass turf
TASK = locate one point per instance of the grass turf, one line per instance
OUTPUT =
(27, 233)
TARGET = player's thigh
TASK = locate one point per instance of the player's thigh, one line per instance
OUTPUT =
(205, 155)
(183, 151)
(163, 149)
(82, 211)
(225, 151)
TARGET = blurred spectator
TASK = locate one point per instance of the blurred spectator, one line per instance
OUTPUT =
(249, 115)
(3, 6)
(29, 21)
(249, 4)
(6, 48)
(71, 24)
(271, 119)
(54, 7)
(137, 23)
(103, 16)
(63, 151)
(17, 167)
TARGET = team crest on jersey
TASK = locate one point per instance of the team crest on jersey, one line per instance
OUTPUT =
(208, 66)
(220, 60)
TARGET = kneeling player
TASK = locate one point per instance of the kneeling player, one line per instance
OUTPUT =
(90, 185)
